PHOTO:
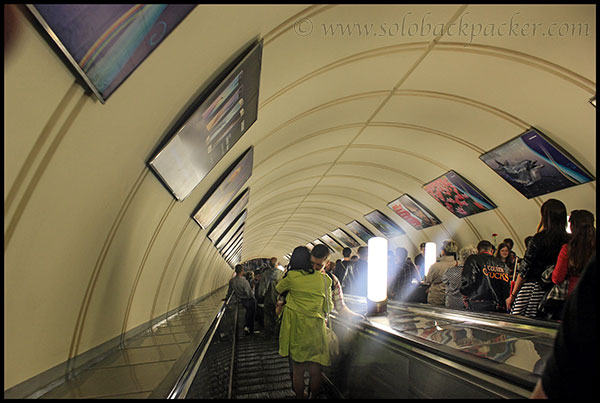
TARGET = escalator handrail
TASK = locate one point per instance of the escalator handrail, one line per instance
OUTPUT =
(185, 379)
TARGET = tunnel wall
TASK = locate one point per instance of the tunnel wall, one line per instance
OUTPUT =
(94, 246)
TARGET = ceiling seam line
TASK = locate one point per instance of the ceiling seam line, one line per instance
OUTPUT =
(383, 103)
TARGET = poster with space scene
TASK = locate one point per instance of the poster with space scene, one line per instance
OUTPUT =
(535, 165)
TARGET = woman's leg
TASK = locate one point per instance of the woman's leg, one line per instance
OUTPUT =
(298, 369)
(315, 371)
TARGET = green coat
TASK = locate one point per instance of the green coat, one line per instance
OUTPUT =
(302, 335)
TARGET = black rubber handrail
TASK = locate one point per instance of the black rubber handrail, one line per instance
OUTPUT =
(185, 379)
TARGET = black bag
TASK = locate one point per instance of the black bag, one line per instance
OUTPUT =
(419, 294)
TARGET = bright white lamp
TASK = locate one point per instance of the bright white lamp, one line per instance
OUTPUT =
(430, 248)
(377, 276)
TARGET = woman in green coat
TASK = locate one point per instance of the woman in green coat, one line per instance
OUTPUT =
(302, 335)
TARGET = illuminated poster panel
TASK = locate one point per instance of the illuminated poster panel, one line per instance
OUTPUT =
(240, 221)
(105, 43)
(333, 244)
(318, 241)
(413, 212)
(535, 165)
(345, 238)
(230, 213)
(384, 224)
(360, 231)
(210, 127)
(458, 195)
(225, 189)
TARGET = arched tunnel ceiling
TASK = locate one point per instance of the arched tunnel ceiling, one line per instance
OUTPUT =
(347, 124)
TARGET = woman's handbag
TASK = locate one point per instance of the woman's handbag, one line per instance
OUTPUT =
(555, 297)
(332, 340)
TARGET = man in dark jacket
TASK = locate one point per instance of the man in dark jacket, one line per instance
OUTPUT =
(344, 269)
(485, 282)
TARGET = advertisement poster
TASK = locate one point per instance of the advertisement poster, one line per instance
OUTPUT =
(360, 231)
(211, 206)
(459, 196)
(107, 42)
(345, 238)
(535, 166)
(413, 212)
(384, 224)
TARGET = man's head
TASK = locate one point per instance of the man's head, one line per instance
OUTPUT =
(354, 258)
(346, 252)
(363, 252)
(485, 247)
(274, 261)
(239, 269)
(318, 256)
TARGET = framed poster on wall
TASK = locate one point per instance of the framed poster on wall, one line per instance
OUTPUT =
(210, 127)
(413, 212)
(458, 195)
(535, 165)
(105, 43)
(384, 224)
(224, 190)
(360, 231)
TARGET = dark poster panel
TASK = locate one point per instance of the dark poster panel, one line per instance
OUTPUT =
(226, 188)
(230, 213)
(458, 195)
(345, 238)
(318, 241)
(105, 43)
(384, 224)
(238, 236)
(360, 231)
(240, 221)
(332, 243)
(212, 126)
(413, 212)
(535, 165)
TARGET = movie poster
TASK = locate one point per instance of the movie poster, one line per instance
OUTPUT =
(413, 212)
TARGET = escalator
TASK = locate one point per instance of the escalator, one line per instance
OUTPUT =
(413, 351)
(239, 366)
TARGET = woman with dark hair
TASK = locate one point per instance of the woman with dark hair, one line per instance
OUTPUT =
(542, 251)
(302, 335)
(503, 253)
(575, 254)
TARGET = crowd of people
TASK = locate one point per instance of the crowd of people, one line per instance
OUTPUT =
(293, 305)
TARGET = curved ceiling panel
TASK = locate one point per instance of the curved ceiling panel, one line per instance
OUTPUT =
(361, 122)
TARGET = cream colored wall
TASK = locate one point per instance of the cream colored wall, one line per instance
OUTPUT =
(95, 245)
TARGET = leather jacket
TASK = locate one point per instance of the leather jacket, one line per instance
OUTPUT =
(485, 278)
(540, 254)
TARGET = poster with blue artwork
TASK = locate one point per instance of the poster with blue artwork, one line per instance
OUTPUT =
(535, 165)
(105, 43)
